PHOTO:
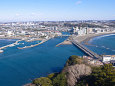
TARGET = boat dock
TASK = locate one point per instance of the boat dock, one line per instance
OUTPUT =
(86, 50)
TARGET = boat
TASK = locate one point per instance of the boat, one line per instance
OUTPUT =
(1, 51)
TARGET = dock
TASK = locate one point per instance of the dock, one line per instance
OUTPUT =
(86, 50)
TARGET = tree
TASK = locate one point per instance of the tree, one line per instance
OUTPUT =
(60, 80)
(43, 81)
(104, 76)
(74, 60)
(100, 76)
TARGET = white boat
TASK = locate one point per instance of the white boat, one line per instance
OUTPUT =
(1, 51)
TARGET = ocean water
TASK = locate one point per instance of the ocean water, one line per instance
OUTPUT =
(103, 45)
(18, 67)
(4, 42)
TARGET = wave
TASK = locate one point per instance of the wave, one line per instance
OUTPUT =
(99, 37)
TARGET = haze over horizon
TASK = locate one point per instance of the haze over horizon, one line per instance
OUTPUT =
(56, 10)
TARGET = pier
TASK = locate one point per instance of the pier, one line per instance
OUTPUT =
(85, 50)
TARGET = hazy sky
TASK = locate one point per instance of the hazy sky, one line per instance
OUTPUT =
(43, 10)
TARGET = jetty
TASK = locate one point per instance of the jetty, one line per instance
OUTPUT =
(33, 45)
(86, 50)
(10, 45)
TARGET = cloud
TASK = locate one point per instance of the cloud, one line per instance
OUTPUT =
(78, 2)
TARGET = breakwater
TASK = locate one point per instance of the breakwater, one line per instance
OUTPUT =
(10, 45)
(34, 45)
(28, 64)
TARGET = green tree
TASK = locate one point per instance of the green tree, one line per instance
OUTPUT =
(100, 76)
(60, 80)
(43, 81)
(104, 76)
(74, 60)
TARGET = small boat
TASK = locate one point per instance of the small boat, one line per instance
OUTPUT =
(1, 51)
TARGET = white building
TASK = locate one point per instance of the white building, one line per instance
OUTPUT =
(108, 58)
(10, 33)
(75, 29)
(79, 31)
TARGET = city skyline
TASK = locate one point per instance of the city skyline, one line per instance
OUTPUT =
(56, 10)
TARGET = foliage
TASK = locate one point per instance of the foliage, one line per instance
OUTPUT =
(51, 76)
(101, 76)
(60, 80)
(83, 25)
(52, 80)
(104, 76)
(74, 60)
(43, 81)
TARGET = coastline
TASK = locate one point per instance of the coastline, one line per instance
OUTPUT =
(18, 38)
(84, 39)
(66, 42)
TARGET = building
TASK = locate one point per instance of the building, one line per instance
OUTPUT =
(80, 30)
(75, 29)
(109, 59)
(106, 58)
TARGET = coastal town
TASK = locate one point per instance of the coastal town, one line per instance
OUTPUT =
(57, 43)
(79, 31)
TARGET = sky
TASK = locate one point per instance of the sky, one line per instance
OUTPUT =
(56, 10)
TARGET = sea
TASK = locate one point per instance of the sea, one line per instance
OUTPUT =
(102, 45)
(19, 67)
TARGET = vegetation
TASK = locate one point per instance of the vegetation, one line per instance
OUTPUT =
(43, 81)
(100, 76)
(60, 80)
(104, 76)
(51, 80)
(74, 60)
(82, 25)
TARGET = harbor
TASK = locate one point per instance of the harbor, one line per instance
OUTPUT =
(10, 45)
(33, 45)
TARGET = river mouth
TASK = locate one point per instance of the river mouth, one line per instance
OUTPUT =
(21, 66)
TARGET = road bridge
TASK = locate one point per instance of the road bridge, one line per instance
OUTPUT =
(85, 50)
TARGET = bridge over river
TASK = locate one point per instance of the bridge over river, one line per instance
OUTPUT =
(86, 50)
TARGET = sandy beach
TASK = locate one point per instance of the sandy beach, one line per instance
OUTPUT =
(66, 42)
(87, 37)
(84, 38)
